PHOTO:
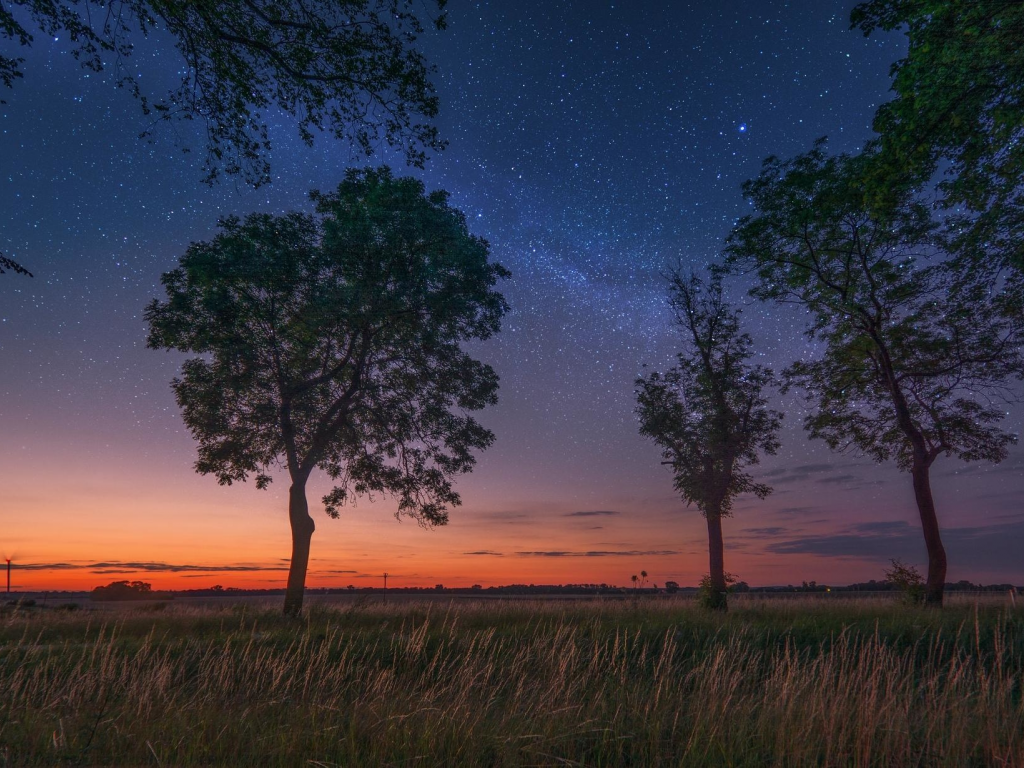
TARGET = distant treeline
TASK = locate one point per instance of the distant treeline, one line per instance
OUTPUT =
(572, 589)
(140, 590)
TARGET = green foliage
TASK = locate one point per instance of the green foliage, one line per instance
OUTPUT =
(959, 106)
(915, 360)
(710, 598)
(334, 342)
(709, 412)
(907, 580)
(345, 67)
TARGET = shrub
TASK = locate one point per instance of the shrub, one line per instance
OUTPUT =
(708, 598)
(908, 580)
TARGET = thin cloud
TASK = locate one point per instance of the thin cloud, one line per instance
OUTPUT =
(147, 567)
(1010, 516)
(508, 515)
(821, 473)
(883, 526)
(795, 511)
(994, 546)
(985, 468)
(799, 472)
(485, 552)
(836, 479)
(593, 513)
(601, 553)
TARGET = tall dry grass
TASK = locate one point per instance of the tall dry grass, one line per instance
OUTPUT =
(523, 683)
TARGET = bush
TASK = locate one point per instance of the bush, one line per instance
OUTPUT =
(908, 580)
(714, 601)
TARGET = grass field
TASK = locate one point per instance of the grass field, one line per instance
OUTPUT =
(802, 682)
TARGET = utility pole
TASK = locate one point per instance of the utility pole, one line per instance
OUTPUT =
(385, 586)
(8, 575)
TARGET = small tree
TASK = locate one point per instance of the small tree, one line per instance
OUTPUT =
(911, 369)
(334, 342)
(908, 580)
(709, 413)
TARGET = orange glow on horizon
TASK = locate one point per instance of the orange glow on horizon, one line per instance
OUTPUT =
(119, 506)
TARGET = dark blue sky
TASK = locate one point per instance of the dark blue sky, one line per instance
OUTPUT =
(594, 144)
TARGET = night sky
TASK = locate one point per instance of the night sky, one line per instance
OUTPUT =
(594, 144)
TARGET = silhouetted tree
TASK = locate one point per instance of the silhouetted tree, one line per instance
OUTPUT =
(910, 369)
(709, 413)
(347, 67)
(959, 105)
(334, 342)
(127, 590)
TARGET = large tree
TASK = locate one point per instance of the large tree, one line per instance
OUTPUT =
(334, 342)
(347, 67)
(959, 108)
(709, 412)
(915, 362)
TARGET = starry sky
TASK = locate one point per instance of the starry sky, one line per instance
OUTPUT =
(594, 144)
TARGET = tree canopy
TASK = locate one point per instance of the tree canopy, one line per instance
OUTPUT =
(333, 341)
(959, 108)
(709, 413)
(881, 301)
(346, 67)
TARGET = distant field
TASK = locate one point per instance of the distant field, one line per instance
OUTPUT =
(344, 600)
(515, 682)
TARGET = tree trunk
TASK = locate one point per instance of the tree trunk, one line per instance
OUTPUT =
(716, 551)
(932, 537)
(302, 531)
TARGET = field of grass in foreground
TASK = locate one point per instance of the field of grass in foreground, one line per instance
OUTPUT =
(807, 682)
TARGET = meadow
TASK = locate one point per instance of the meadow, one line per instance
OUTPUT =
(801, 682)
